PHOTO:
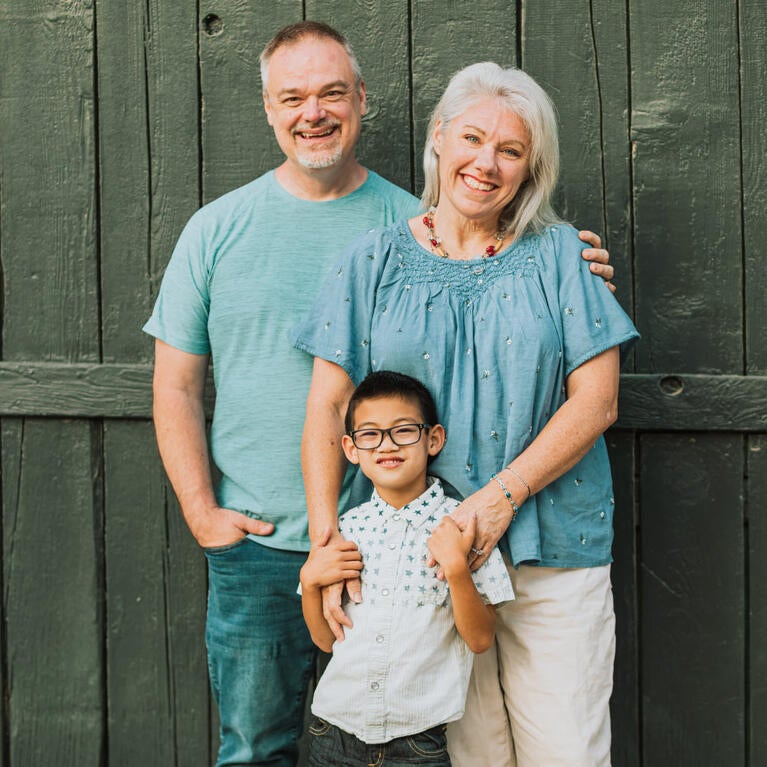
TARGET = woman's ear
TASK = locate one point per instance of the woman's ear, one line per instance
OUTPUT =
(437, 138)
(347, 443)
(436, 439)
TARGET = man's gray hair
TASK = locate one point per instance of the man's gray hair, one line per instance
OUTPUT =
(294, 33)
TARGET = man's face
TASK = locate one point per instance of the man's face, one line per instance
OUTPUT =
(313, 103)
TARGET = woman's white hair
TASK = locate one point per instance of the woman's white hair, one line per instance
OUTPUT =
(517, 91)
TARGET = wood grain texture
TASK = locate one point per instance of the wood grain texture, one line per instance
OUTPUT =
(237, 143)
(692, 585)
(155, 603)
(52, 555)
(577, 52)
(686, 166)
(447, 36)
(379, 34)
(48, 204)
(756, 505)
(149, 159)
(753, 118)
(625, 708)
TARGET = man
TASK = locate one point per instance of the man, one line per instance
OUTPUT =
(245, 269)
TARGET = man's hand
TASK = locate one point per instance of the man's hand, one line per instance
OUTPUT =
(218, 526)
(598, 256)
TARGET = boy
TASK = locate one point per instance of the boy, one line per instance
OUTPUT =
(403, 670)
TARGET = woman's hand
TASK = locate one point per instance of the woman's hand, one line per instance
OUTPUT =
(493, 514)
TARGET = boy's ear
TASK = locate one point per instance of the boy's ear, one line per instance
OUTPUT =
(436, 439)
(349, 450)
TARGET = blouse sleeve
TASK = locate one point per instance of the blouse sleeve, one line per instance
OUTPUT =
(338, 326)
(590, 317)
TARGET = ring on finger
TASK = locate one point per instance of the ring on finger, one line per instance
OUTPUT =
(478, 552)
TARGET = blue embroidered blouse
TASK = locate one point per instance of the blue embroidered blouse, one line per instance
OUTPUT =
(493, 340)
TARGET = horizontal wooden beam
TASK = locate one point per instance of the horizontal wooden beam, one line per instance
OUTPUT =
(672, 402)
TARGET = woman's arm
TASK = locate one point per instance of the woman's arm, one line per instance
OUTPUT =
(591, 407)
(330, 560)
(323, 464)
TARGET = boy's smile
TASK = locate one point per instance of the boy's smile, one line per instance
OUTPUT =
(398, 472)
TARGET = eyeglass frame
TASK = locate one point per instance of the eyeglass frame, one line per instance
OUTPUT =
(388, 432)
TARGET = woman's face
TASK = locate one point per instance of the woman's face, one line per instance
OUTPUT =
(483, 160)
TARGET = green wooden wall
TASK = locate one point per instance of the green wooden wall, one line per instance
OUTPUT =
(118, 119)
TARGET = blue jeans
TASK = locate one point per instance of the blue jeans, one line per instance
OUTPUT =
(332, 747)
(260, 654)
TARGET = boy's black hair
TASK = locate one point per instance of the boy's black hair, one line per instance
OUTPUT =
(387, 383)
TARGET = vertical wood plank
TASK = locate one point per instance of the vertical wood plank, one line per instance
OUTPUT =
(447, 36)
(155, 612)
(686, 160)
(52, 599)
(753, 58)
(578, 53)
(148, 134)
(624, 705)
(370, 24)
(692, 600)
(237, 143)
(47, 209)
(756, 500)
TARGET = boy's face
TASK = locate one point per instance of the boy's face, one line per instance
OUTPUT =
(398, 472)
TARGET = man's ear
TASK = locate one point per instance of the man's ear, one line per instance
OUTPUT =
(267, 107)
(347, 443)
(363, 98)
(436, 439)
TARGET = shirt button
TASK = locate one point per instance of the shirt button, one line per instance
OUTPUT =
(374, 685)
(392, 546)
(385, 592)
(396, 517)
(380, 638)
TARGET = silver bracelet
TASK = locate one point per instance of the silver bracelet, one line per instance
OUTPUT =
(506, 492)
(521, 479)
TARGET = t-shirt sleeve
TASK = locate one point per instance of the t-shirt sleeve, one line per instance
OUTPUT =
(338, 326)
(180, 315)
(592, 320)
(492, 580)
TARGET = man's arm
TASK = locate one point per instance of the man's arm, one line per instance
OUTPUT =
(598, 257)
(179, 417)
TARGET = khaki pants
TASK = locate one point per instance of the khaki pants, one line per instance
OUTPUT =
(540, 696)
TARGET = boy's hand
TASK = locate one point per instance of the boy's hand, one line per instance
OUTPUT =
(450, 546)
(331, 561)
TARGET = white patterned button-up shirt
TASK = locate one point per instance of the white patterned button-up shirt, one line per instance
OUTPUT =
(403, 667)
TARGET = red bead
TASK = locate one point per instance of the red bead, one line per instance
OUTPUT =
(427, 221)
(433, 242)
(490, 250)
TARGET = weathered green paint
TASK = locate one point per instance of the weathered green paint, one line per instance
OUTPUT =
(119, 119)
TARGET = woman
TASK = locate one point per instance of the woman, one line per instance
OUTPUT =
(487, 301)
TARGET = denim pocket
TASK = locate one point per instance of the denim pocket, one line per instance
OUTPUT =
(318, 727)
(432, 742)
(223, 549)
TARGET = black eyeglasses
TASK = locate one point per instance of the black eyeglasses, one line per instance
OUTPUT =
(402, 435)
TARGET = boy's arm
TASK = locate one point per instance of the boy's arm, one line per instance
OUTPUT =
(474, 619)
(329, 561)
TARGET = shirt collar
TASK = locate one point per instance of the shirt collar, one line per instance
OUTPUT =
(418, 511)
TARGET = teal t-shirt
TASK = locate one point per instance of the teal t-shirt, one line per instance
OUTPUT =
(246, 269)
(493, 340)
